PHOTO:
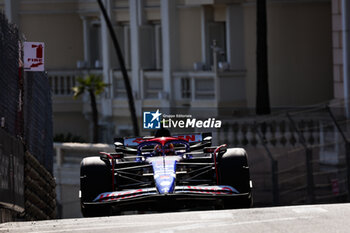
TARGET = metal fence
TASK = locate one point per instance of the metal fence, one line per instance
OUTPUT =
(38, 118)
(296, 157)
(26, 147)
(9, 68)
(25, 98)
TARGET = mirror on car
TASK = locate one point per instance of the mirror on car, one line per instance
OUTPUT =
(118, 144)
(222, 150)
(104, 157)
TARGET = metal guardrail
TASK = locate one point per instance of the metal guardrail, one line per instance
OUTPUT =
(11, 173)
(40, 194)
(27, 188)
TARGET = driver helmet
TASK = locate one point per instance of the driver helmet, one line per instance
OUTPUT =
(170, 150)
(158, 149)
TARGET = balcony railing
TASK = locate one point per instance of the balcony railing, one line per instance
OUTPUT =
(62, 81)
(195, 85)
(119, 91)
(152, 85)
(192, 86)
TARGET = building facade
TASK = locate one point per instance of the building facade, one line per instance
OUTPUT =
(190, 53)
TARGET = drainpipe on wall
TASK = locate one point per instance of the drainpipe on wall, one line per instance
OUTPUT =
(346, 52)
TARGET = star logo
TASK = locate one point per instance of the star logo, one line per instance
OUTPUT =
(151, 120)
(156, 115)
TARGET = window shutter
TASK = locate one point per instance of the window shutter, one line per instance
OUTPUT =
(147, 47)
(95, 44)
(127, 46)
(158, 46)
(119, 31)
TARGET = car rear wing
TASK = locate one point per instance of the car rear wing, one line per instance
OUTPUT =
(194, 138)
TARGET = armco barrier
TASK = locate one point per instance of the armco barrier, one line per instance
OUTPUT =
(40, 195)
(27, 189)
(11, 176)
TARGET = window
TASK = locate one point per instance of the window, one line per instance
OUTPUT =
(153, 88)
(119, 88)
(204, 88)
(95, 45)
(123, 35)
(151, 46)
(185, 88)
(217, 32)
(158, 46)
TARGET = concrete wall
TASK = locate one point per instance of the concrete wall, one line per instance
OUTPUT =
(74, 123)
(62, 35)
(300, 55)
(189, 37)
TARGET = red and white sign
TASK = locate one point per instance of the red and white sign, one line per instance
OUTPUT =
(33, 56)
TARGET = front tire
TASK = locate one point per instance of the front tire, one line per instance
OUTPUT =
(234, 171)
(95, 178)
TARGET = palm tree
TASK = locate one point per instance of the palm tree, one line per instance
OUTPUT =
(94, 85)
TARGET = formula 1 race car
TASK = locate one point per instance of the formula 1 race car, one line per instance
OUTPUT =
(165, 173)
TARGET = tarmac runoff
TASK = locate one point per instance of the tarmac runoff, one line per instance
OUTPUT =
(307, 218)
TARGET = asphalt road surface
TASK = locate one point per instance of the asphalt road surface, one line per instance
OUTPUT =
(311, 218)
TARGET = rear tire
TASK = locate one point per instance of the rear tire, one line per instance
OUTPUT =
(95, 178)
(234, 171)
